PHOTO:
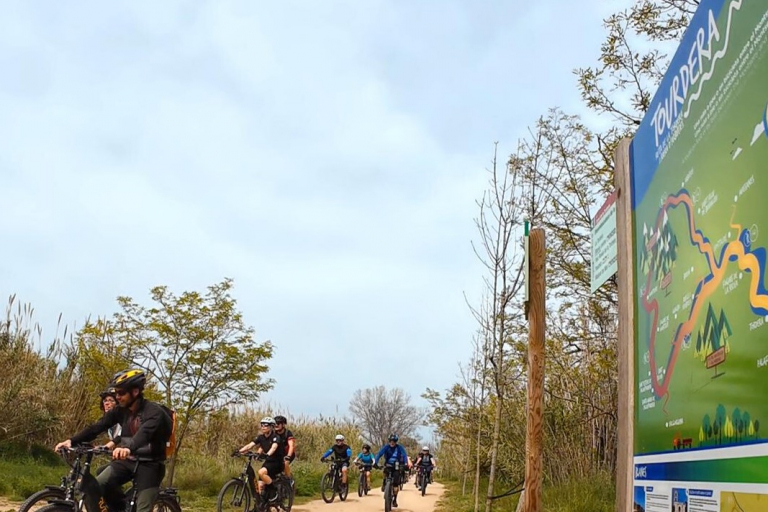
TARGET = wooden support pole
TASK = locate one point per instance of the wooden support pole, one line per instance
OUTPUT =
(536, 350)
(626, 342)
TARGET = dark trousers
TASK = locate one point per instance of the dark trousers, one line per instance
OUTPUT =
(149, 476)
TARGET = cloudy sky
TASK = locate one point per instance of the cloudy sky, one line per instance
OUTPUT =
(326, 155)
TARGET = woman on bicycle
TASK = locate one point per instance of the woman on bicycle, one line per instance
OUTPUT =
(366, 460)
(272, 445)
(108, 402)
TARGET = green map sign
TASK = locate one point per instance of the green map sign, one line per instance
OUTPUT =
(700, 216)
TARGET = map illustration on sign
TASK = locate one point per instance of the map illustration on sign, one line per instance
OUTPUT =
(700, 217)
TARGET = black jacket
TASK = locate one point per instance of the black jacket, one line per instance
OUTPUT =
(154, 428)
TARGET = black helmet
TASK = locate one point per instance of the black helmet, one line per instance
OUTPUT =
(393, 437)
(104, 394)
(107, 392)
(129, 379)
(281, 420)
(366, 447)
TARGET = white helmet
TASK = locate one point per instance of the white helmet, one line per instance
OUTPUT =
(425, 449)
(339, 437)
(269, 420)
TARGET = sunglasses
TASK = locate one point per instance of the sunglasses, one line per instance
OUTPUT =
(121, 392)
(266, 424)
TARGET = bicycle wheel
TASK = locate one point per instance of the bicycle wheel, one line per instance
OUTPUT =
(327, 488)
(424, 482)
(41, 498)
(166, 503)
(361, 484)
(343, 489)
(57, 508)
(388, 496)
(286, 495)
(234, 495)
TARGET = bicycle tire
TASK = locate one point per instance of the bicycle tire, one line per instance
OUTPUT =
(361, 484)
(166, 503)
(327, 485)
(42, 495)
(237, 485)
(57, 507)
(286, 503)
(343, 490)
(388, 496)
(424, 482)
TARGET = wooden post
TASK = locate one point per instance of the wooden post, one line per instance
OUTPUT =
(536, 344)
(626, 334)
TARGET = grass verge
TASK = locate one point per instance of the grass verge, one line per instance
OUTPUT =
(596, 494)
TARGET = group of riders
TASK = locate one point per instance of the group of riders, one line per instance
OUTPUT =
(139, 427)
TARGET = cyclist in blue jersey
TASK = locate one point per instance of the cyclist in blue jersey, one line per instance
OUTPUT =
(392, 453)
(365, 458)
(341, 453)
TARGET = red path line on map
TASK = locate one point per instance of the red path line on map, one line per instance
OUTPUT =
(745, 261)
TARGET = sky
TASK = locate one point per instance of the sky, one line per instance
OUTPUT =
(326, 156)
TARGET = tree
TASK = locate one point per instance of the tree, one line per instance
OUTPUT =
(382, 412)
(200, 354)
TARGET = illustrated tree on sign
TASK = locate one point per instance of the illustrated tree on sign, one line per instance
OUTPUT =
(197, 348)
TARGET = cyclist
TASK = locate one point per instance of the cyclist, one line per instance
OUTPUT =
(290, 444)
(270, 443)
(393, 452)
(366, 461)
(426, 462)
(341, 453)
(108, 402)
(145, 425)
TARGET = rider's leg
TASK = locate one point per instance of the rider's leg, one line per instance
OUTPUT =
(368, 478)
(287, 468)
(111, 481)
(344, 474)
(264, 478)
(148, 479)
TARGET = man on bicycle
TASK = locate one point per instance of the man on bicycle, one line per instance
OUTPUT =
(366, 462)
(341, 453)
(425, 462)
(146, 427)
(271, 444)
(392, 453)
(290, 444)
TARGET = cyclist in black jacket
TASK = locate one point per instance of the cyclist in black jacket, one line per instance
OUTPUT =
(145, 426)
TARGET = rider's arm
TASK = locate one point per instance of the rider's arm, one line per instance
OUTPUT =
(380, 454)
(248, 447)
(330, 451)
(275, 445)
(291, 446)
(90, 432)
(349, 452)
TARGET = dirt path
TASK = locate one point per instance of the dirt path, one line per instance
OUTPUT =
(409, 500)
(6, 505)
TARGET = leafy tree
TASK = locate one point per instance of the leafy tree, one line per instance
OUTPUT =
(382, 412)
(197, 348)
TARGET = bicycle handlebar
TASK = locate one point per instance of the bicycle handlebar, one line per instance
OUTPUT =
(250, 455)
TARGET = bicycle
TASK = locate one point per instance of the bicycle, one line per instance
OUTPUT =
(331, 483)
(278, 496)
(85, 491)
(52, 492)
(423, 478)
(389, 472)
(362, 482)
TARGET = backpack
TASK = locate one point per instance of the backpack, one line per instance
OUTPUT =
(170, 445)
